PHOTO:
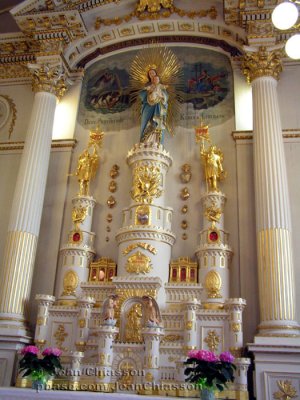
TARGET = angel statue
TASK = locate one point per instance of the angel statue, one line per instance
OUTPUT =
(153, 75)
(212, 160)
(108, 310)
(152, 317)
(88, 162)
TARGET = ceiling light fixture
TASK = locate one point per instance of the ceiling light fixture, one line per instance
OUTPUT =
(284, 16)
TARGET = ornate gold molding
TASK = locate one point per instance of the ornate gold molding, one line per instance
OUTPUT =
(262, 63)
(56, 144)
(48, 78)
(154, 13)
(248, 135)
(13, 70)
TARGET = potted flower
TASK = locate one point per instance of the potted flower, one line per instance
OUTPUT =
(209, 372)
(39, 367)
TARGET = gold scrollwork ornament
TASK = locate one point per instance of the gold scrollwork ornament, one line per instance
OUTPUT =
(70, 283)
(212, 340)
(286, 390)
(78, 216)
(146, 182)
(138, 263)
(213, 284)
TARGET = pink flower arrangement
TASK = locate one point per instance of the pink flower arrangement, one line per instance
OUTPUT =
(204, 355)
(208, 370)
(40, 366)
(226, 356)
(29, 350)
(52, 351)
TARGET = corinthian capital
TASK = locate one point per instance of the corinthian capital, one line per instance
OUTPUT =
(262, 63)
(48, 78)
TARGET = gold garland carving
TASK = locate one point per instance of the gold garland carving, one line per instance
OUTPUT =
(262, 63)
(145, 246)
(156, 14)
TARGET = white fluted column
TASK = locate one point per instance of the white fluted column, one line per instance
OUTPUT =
(273, 221)
(27, 206)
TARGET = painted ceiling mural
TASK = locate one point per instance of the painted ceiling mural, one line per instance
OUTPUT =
(205, 90)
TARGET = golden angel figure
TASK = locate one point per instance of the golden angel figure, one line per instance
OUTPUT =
(88, 162)
(86, 170)
(154, 72)
(212, 160)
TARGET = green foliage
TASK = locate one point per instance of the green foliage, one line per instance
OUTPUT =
(209, 374)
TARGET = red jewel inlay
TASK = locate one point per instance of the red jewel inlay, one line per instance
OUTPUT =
(76, 237)
(213, 236)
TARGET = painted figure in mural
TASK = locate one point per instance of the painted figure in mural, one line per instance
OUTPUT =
(154, 109)
(152, 316)
(212, 160)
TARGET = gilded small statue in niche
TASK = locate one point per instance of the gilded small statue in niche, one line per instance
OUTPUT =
(134, 324)
(212, 160)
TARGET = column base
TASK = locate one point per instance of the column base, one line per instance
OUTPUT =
(275, 329)
(277, 365)
(12, 339)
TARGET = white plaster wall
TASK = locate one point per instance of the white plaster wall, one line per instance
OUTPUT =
(288, 90)
(51, 226)
(22, 96)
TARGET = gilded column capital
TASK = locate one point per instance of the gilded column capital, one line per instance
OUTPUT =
(49, 78)
(261, 63)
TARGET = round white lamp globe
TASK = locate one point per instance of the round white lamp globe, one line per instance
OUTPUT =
(292, 47)
(285, 15)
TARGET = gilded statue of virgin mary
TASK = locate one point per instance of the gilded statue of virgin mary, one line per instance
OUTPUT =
(154, 73)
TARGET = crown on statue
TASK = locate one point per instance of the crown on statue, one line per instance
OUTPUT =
(201, 132)
(96, 137)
